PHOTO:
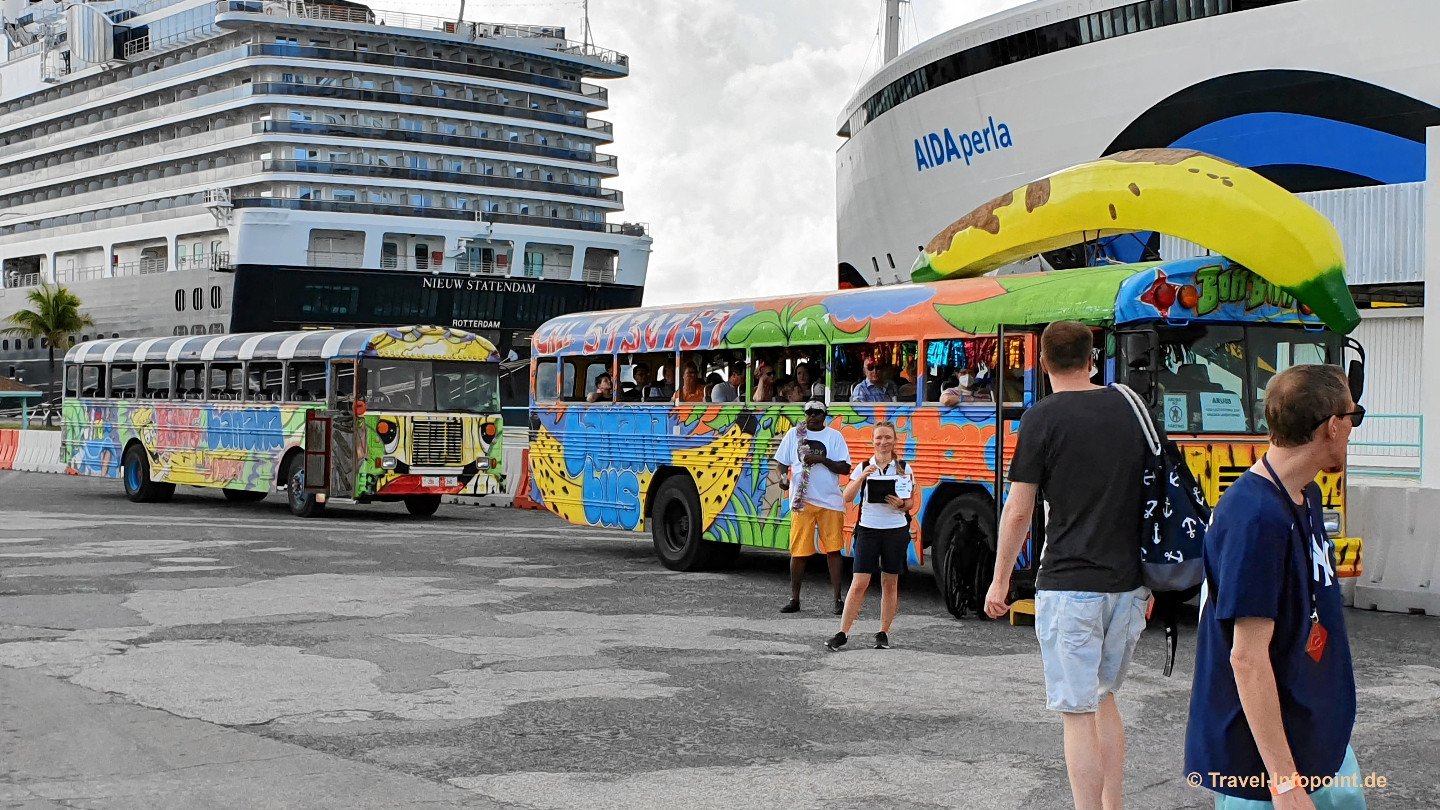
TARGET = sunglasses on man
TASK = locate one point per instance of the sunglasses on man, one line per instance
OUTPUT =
(1356, 417)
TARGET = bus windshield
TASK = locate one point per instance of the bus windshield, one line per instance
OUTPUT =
(1212, 377)
(432, 386)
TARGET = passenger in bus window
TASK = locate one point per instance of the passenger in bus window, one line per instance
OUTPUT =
(764, 383)
(872, 388)
(729, 391)
(604, 389)
(711, 380)
(792, 391)
(906, 382)
(640, 373)
(691, 388)
(964, 389)
(814, 388)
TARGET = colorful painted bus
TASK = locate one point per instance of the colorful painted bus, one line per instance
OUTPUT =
(1201, 338)
(328, 416)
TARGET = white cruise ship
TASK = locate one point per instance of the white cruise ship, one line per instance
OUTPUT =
(198, 167)
(1329, 98)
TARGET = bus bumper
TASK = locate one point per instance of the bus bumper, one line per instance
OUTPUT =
(1349, 556)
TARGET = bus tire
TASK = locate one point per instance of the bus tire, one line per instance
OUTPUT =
(422, 505)
(676, 526)
(243, 495)
(135, 473)
(962, 555)
(301, 503)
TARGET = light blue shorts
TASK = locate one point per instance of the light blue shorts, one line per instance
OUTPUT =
(1086, 642)
(1350, 795)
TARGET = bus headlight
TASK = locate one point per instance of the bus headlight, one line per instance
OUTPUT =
(387, 463)
(1332, 523)
(483, 464)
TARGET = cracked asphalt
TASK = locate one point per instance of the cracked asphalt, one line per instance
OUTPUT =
(207, 654)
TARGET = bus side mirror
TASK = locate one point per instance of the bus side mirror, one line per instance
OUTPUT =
(1141, 351)
(1355, 372)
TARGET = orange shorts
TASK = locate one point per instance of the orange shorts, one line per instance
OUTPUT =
(830, 523)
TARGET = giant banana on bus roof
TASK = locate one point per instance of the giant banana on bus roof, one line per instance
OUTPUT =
(1226, 208)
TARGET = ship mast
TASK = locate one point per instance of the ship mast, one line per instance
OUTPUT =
(892, 29)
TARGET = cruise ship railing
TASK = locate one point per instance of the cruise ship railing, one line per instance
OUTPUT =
(220, 260)
(144, 267)
(14, 280)
(70, 275)
(338, 207)
(361, 15)
(334, 258)
(584, 89)
(592, 126)
(411, 136)
(438, 176)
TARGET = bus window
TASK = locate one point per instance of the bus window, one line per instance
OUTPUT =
(189, 381)
(92, 381)
(225, 381)
(72, 381)
(122, 381)
(545, 378)
(424, 385)
(155, 381)
(1202, 379)
(714, 370)
(343, 382)
(875, 372)
(1012, 386)
(580, 376)
(305, 382)
(263, 381)
(959, 365)
(647, 377)
(798, 374)
(1272, 349)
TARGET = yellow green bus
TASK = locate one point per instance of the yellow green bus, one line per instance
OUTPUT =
(405, 414)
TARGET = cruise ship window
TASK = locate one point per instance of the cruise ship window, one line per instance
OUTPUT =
(301, 115)
(335, 118)
(306, 193)
(215, 297)
(197, 299)
(344, 196)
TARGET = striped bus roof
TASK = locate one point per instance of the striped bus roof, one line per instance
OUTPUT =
(420, 342)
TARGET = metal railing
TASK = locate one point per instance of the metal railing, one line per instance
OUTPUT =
(481, 267)
(340, 207)
(592, 159)
(334, 258)
(15, 279)
(337, 169)
(72, 274)
(422, 22)
(1388, 444)
(214, 261)
(144, 267)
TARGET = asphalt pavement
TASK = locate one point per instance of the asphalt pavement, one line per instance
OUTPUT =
(208, 654)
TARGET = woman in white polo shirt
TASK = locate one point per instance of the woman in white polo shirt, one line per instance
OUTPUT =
(882, 533)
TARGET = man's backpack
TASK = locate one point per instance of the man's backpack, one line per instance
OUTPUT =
(1174, 520)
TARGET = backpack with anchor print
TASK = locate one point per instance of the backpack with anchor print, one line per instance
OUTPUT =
(1175, 517)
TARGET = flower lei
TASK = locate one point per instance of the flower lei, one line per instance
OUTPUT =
(797, 498)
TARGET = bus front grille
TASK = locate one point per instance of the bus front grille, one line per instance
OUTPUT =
(435, 442)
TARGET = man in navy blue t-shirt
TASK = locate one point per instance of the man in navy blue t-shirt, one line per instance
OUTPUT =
(1273, 703)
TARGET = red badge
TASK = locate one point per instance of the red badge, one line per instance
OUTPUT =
(1315, 645)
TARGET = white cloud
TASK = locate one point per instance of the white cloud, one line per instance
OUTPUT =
(725, 128)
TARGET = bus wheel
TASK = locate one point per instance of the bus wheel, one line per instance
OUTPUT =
(676, 526)
(422, 505)
(301, 504)
(135, 471)
(963, 553)
(243, 495)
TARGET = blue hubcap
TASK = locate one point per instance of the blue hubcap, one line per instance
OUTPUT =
(132, 475)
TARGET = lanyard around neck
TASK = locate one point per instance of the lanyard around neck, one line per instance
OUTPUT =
(1307, 529)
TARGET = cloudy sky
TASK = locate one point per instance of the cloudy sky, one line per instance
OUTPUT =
(725, 128)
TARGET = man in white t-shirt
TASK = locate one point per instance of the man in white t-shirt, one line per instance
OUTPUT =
(813, 458)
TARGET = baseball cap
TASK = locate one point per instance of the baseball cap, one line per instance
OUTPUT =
(814, 406)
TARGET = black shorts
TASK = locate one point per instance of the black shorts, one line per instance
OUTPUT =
(881, 550)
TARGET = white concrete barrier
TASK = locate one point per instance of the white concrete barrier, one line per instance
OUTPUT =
(1400, 525)
(39, 451)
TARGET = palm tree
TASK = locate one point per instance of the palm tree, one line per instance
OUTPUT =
(54, 314)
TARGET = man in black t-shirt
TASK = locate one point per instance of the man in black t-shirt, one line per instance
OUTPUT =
(1081, 447)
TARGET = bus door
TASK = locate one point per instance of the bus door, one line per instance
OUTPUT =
(344, 412)
(1017, 384)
